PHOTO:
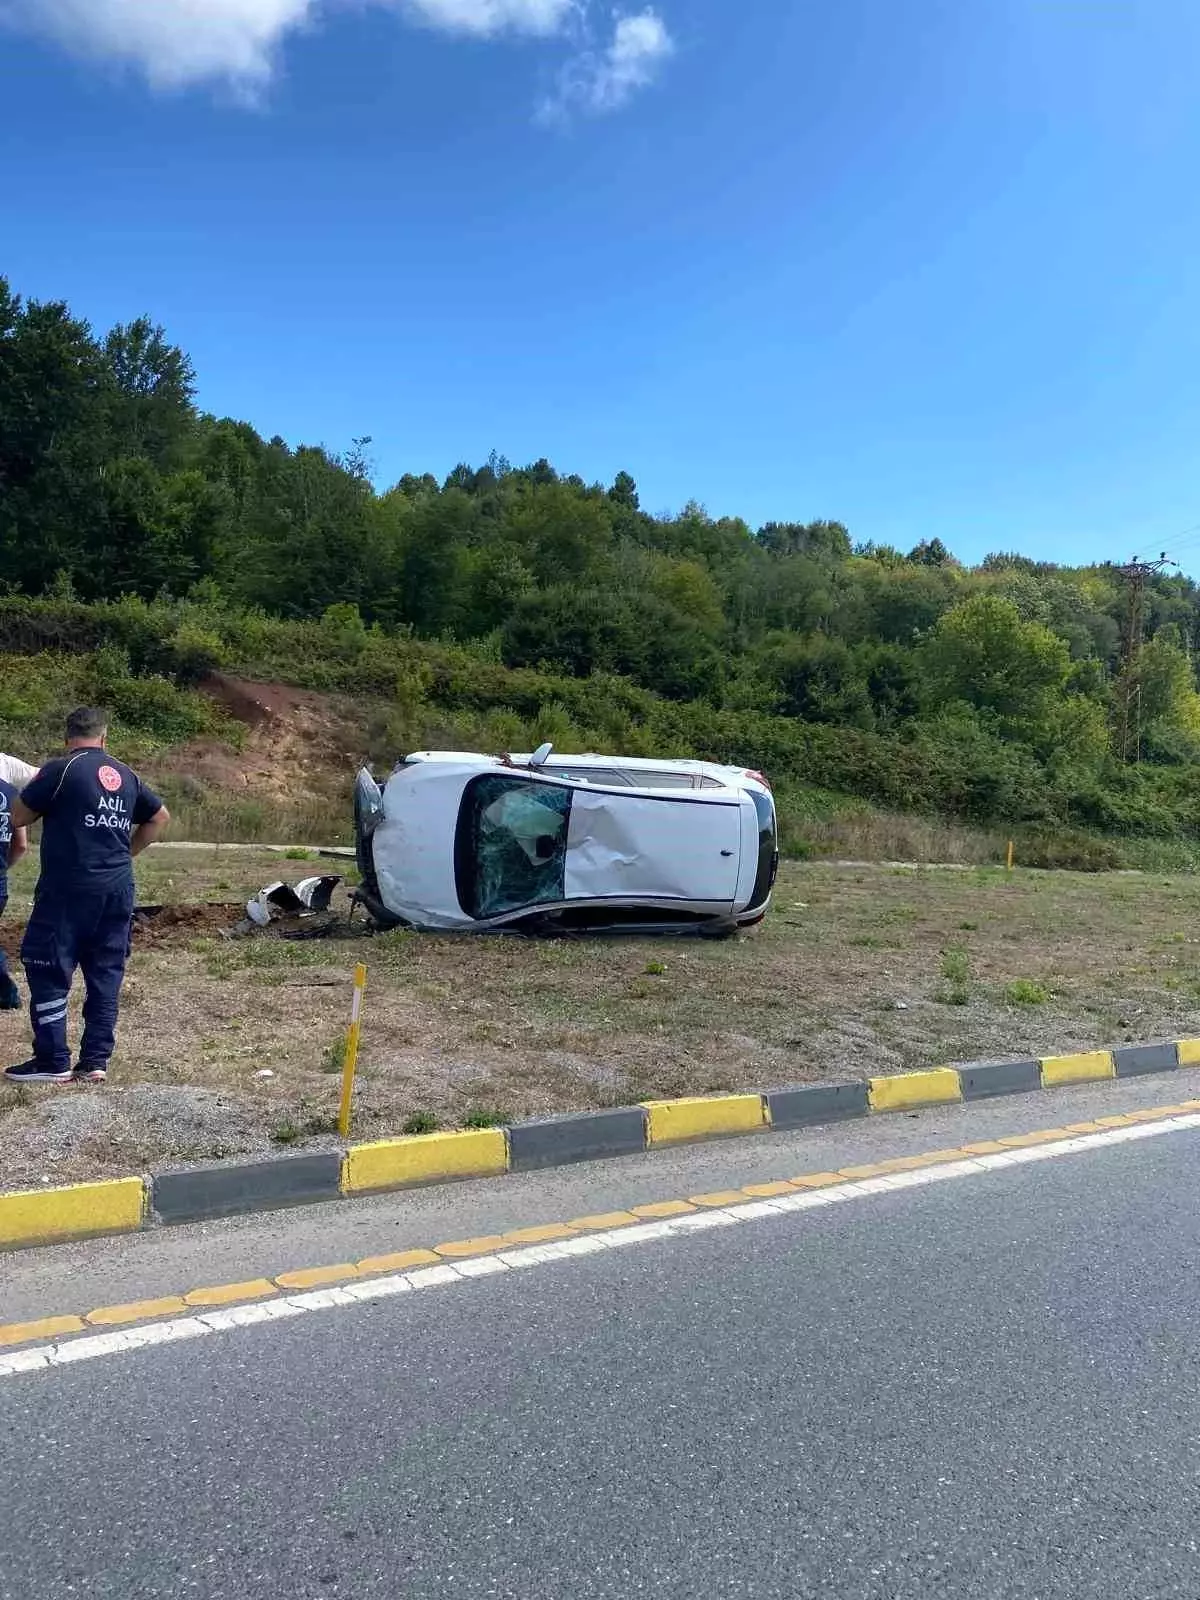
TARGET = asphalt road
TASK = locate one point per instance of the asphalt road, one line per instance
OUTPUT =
(983, 1388)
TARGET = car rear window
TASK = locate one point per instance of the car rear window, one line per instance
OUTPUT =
(510, 845)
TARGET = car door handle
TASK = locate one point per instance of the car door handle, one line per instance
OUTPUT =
(726, 852)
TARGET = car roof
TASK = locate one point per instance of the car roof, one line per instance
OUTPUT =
(558, 759)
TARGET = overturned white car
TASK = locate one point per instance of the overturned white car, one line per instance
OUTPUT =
(552, 843)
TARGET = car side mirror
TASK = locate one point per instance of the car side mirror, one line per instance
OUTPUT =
(541, 755)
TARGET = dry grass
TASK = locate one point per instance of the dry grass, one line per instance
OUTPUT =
(856, 971)
(189, 877)
(234, 821)
(892, 836)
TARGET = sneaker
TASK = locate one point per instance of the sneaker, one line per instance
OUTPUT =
(94, 1074)
(10, 995)
(37, 1072)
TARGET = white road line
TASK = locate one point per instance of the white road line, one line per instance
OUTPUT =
(43, 1357)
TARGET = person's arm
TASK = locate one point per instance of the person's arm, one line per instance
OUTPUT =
(37, 796)
(19, 845)
(15, 771)
(150, 817)
(22, 818)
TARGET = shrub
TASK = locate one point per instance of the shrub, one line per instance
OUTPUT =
(485, 1119)
(1067, 851)
(1026, 992)
(195, 652)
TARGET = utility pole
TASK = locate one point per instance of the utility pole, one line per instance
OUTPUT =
(1129, 685)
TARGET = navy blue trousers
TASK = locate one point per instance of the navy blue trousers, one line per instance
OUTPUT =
(85, 931)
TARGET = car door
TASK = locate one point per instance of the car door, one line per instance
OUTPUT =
(639, 846)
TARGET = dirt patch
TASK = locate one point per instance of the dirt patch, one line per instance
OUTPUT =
(292, 769)
(157, 927)
(298, 741)
(160, 927)
(856, 971)
(259, 704)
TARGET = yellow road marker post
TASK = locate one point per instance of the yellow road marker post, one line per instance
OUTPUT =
(1009, 863)
(350, 1058)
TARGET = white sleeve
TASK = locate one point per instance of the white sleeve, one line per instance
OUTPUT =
(15, 771)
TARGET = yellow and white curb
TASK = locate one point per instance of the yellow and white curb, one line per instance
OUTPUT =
(197, 1194)
(225, 1308)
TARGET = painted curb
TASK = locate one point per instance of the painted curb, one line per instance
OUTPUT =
(940, 1086)
(77, 1211)
(981, 1080)
(198, 1194)
(585, 1136)
(1089, 1067)
(1135, 1060)
(424, 1158)
(809, 1107)
(124, 1205)
(703, 1117)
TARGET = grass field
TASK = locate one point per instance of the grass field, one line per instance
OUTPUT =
(856, 971)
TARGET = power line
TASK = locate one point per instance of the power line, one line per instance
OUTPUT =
(1180, 541)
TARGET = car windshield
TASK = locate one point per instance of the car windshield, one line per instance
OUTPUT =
(511, 845)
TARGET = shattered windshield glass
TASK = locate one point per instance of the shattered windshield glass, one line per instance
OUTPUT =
(511, 845)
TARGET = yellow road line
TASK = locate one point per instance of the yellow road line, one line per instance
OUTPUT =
(231, 1294)
(44, 1328)
(471, 1247)
(544, 1233)
(663, 1208)
(602, 1221)
(53, 1327)
(317, 1277)
(398, 1261)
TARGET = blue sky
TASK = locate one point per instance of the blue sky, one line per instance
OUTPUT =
(927, 266)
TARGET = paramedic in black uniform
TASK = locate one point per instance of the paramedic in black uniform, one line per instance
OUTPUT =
(96, 815)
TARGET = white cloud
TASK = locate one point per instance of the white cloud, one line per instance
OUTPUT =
(492, 16)
(639, 47)
(603, 80)
(174, 42)
(180, 42)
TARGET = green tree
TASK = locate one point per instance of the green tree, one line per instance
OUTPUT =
(53, 385)
(983, 654)
(930, 553)
(819, 680)
(624, 491)
(1166, 702)
(821, 541)
(150, 411)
